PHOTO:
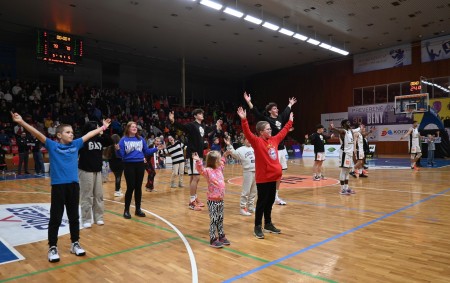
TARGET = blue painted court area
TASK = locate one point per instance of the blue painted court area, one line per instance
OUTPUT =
(403, 163)
(8, 253)
(9, 176)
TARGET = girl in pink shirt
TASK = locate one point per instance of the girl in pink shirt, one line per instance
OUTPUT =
(213, 173)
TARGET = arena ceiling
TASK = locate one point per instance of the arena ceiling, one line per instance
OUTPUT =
(161, 32)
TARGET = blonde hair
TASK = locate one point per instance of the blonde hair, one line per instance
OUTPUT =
(260, 126)
(211, 159)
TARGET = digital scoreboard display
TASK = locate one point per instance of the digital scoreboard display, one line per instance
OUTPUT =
(55, 47)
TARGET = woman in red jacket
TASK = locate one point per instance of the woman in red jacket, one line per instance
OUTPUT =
(267, 169)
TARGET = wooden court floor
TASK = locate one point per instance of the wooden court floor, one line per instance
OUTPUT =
(396, 228)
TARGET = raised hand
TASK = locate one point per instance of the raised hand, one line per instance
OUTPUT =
(242, 113)
(16, 117)
(291, 116)
(195, 156)
(106, 122)
(247, 97)
(292, 101)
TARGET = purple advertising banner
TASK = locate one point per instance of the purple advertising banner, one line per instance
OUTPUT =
(377, 114)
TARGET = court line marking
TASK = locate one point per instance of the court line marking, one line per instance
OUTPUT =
(397, 191)
(194, 269)
(333, 238)
(87, 260)
(164, 229)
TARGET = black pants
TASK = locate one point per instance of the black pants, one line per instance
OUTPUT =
(118, 179)
(23, 159)
(266, 197)
(134, 175)
(67, 195)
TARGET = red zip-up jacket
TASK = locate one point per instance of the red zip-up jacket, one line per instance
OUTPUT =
(267, 165)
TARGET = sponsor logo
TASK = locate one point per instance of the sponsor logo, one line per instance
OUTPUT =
(27, 223)
(390, 132)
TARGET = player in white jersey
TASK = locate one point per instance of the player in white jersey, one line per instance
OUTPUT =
(346, 155)
(414, 144)
(359, 134)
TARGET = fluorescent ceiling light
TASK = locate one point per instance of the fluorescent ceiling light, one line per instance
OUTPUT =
(340, 51)
(211, 4)
(300, 36)
(233, 12)
(286, 32)
(270, 26)
(313, 41)
(324, 45)
(253, 20)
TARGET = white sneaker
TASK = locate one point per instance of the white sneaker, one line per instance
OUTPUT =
(118, 194)
(77, 249)
(87, 225)
(280, 201)
(100, 222)
(245, 212)
(53, 255)
(251, 209)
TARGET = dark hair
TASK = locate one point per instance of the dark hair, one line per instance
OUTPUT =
(109, 152)
(270, 105)
(197, 111)
(319, 126)
(343, 122)
(89, 126)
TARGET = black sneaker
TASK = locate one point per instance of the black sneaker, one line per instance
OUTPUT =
(139, 213)
(258, 232)
(365, 167)
(353, 174)
(363, 175)
(269, 227)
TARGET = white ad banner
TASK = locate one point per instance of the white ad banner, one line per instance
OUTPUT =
(331, 150)
(383, 133)
(396, 56)
(335, 118)
(436, 49)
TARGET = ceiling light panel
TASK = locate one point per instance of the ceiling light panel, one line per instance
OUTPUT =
(211, 4)
(270, 26)
(286, 32)
(253, 20)
(233, 12)
(313, 41)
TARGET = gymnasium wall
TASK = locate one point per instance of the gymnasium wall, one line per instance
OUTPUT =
(328, 88)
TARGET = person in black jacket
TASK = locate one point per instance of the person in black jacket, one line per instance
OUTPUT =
(37, 156)
(318, 139)
(196, 132)
(115, 163)
(90, 174)
(24, 150)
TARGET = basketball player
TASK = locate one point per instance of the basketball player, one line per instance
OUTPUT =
(318, 139)
(347, 154)
(196, 132)
(359, 135)
(414, 144)
(276, 123)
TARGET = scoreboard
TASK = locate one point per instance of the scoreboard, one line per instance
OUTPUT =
(55, 47)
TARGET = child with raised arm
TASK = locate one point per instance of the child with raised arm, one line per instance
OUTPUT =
(213, 173)
(246, 155)
(65, 190)
(267, 169)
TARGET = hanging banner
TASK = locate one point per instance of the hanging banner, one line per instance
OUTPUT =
(377, 114)
(396, 56)
(435, 49)
(335, 118)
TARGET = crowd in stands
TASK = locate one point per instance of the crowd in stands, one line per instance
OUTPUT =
(45, 107)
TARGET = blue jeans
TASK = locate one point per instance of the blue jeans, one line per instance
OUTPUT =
(430, 158)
